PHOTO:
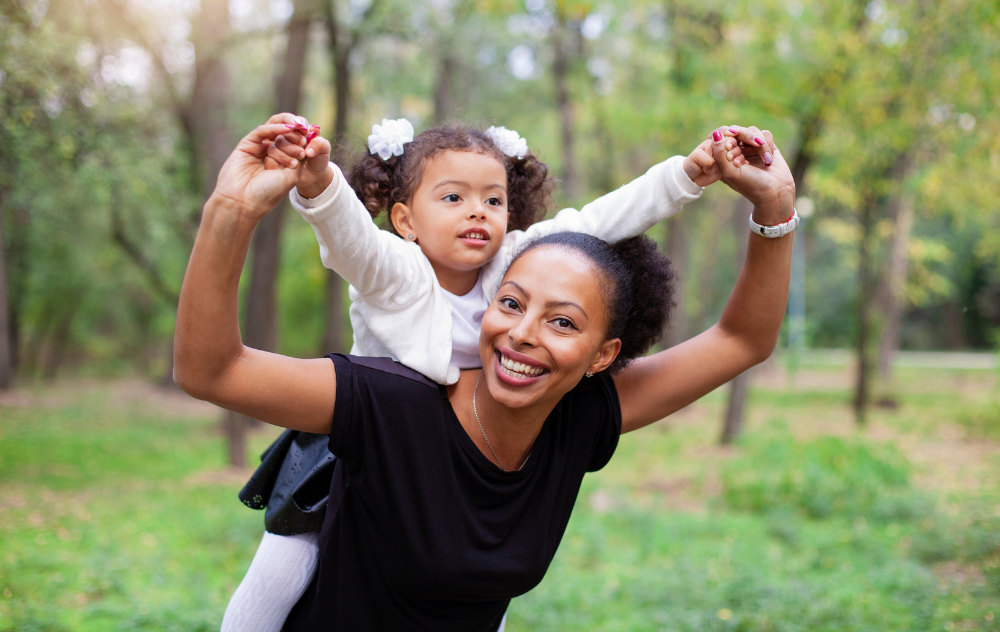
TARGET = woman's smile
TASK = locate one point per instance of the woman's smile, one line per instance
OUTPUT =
(516, 369)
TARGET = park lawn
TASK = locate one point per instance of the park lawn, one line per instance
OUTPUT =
(117, 513)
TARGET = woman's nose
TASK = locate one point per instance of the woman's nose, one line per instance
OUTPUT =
(524, 332)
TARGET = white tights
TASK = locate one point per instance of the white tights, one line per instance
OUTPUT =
(280, 572)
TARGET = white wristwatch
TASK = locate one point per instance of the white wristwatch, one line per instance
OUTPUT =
(780, 230)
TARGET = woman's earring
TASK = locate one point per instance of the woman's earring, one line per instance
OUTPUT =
(410, 236)
(589, 374)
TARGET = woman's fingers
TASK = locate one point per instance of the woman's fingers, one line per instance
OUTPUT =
(282, 158)
(753, 142)
(254, 142)
(721, 151)
(290, 147)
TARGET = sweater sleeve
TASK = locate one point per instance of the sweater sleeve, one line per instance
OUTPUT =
(632, 209)
(385, 270)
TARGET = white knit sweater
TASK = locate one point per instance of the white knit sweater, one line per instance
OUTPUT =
(399, 310)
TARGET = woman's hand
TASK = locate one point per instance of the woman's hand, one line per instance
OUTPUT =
(313, 159)
(756, 170)
(256, 185)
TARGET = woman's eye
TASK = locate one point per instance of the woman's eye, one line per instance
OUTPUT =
(452, 197)
(509, 303)
(564, 323)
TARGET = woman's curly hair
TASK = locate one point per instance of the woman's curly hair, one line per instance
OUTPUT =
(380, 184)
(637, 287)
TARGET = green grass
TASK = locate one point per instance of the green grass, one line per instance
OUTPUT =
(116, 513)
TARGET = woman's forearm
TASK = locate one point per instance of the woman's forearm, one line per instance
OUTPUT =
(756, 306)
(207, 339)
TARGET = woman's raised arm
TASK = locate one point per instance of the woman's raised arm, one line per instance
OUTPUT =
(656, 386)
(210, 359)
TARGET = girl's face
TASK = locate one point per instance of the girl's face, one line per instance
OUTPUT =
(545, 328)
(458, 213)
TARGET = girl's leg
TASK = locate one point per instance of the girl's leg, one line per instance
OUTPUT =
(280, 572)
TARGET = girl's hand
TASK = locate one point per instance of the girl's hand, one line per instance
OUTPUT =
(312, 159)
(246, 180)
(700, 165)
(757, 171)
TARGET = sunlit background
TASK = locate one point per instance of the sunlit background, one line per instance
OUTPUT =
(852, 482)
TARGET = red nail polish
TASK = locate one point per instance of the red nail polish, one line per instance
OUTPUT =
(716, 135)
(758, 140)
(733, 130)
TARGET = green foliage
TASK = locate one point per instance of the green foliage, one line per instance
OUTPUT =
(826, 477)
(95, 153)
(117, 513)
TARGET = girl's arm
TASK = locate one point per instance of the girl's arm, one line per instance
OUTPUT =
(210, 360)
(384, 269)
(639, 205)
(656, 386)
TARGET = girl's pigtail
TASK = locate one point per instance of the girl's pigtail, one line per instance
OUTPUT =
(374, 181)
(529, 191)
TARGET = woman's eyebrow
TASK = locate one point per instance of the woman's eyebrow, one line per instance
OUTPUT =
(551, 304)
(519, 288)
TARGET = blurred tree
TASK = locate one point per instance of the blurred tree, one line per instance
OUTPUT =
(343, 39)
(261, 328)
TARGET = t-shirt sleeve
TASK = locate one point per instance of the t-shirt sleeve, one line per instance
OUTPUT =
(345, 440)
(608, 421)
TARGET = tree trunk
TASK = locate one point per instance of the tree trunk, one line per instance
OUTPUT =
(443, 102)
(207, 117)
(560, 71)
(340, 44)
(677, 326)
(6, 331)
(333, 333)
(261, 309)
(740, 385)
(891, 303)
(733, 424)
(866, 291)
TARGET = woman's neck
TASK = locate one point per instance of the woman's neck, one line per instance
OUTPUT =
(510, 433)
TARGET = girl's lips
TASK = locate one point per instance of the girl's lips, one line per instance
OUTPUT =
(475, 237)
(512, 378)
(478, 243)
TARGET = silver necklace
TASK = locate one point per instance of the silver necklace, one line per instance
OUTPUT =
(476, 412)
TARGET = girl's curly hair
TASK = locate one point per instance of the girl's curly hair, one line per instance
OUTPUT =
(637, 287)
(379, 183)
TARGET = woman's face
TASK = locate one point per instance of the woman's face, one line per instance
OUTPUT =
(545, 328)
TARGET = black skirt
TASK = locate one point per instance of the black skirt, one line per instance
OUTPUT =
(292, 483)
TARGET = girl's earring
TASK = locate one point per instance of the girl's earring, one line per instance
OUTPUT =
(410, 236)
(589, 374)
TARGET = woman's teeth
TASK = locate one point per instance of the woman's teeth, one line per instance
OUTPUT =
(518, 369)
(475, 236)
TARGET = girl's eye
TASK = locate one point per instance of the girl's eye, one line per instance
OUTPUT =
(494, 201)
(564, 323)
(452, 197)
(510, 303)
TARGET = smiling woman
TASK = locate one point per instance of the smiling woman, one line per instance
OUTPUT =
(433, 531)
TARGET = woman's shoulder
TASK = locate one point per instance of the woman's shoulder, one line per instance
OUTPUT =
(374, 367)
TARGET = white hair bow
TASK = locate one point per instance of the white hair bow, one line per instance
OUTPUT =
(387, 139)
(508, 141)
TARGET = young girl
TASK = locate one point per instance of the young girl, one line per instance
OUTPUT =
(459, 202)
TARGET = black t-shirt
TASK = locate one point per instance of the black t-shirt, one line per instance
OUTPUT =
(430, 534)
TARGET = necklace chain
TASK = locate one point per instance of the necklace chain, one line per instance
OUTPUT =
(476, 412)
